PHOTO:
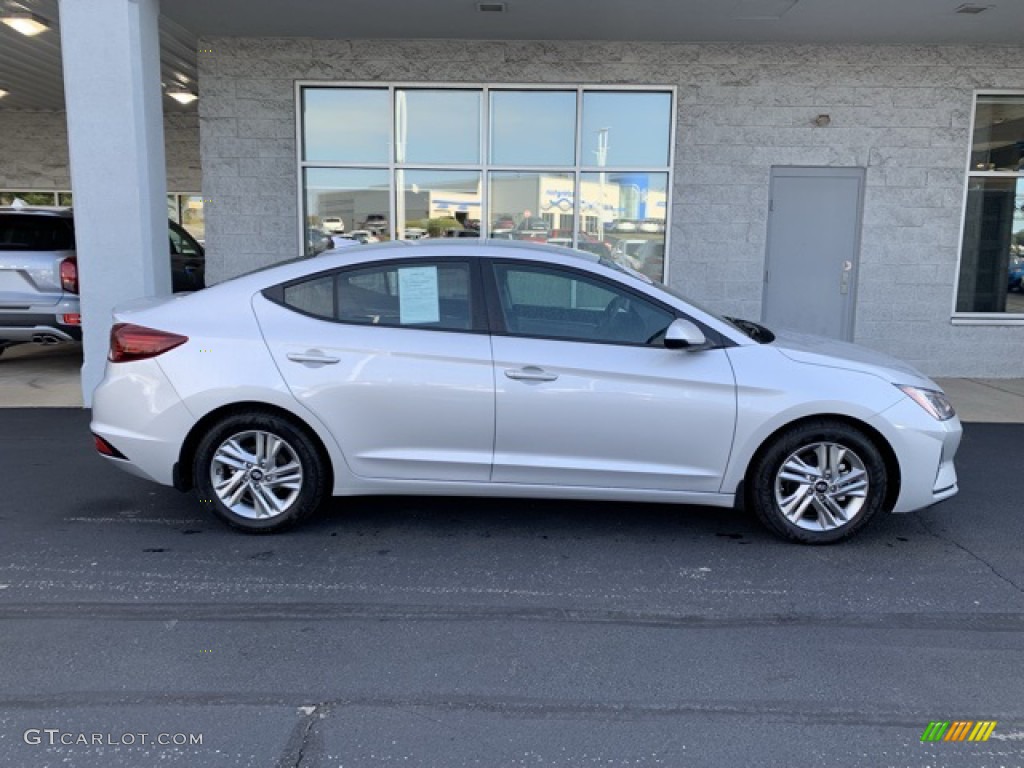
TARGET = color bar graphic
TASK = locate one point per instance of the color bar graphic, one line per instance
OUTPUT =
(958, 730)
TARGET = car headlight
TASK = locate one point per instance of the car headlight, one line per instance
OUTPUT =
(933, 401)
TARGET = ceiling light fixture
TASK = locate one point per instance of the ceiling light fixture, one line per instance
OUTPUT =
(29, 24)
(2, 93)
(182, 96)
(971, 9)
(491, 7)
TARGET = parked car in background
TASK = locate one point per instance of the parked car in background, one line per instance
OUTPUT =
(650, 259)
(364, 236)
(376, 223)
(343, 241)
(624, 251)
(1016, 276)
(532, 228)
(39, 300)
(332, 225)
(652, 225)
(624, 225)
(508, 369)
(317, 241)
(585, 242)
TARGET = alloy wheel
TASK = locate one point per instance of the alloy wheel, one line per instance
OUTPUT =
(821, 486)
(256, 474)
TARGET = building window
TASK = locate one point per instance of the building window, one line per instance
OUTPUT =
(991, 280)
(587, 167)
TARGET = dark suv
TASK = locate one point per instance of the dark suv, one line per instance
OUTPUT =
(39, 274)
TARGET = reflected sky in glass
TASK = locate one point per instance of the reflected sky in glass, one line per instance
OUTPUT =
(638, 127)
(345, 125)
(466, 182)
(442, 126)
(533, 127)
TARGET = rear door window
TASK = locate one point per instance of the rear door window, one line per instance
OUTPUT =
(422, 294)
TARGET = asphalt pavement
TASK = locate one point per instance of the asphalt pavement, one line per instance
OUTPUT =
(462, 632)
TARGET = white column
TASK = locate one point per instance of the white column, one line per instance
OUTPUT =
(111, 53)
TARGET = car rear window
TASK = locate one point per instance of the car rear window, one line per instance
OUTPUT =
(422, 295)
(22, 232)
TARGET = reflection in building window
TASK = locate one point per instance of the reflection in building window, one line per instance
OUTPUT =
(991, 278)
(576, 166)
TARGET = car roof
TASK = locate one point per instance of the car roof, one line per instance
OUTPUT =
(474, 248)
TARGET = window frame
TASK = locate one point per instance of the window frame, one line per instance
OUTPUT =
(485, 167)
(477, 308)
(980, 318)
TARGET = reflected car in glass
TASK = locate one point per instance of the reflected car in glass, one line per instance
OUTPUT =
(508, 369)
(1016, 275)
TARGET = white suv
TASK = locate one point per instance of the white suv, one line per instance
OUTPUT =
(39, 300)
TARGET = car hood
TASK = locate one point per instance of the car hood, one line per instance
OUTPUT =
(818, 350)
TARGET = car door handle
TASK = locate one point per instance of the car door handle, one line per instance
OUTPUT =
(530, 373)
(313, 357)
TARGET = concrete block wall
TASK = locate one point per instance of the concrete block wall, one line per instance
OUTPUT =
(902, 112)
(34, 151)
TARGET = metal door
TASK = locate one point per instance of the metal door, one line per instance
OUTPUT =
(814, 224)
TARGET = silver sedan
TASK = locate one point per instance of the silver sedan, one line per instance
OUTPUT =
(508, 369)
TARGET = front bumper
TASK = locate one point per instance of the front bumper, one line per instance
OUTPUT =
(925, 449)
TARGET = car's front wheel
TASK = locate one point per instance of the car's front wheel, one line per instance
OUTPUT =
(818, 482)
(259, 472)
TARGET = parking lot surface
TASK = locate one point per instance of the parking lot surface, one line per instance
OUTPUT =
(463, 632)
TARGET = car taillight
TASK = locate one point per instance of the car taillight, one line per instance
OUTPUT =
(134, 342)
(69, 275)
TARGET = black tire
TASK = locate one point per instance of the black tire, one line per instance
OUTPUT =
(271, 496)
(820, 511)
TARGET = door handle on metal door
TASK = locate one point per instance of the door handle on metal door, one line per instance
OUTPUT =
(530, 373)
(313, 356)
(844, 279)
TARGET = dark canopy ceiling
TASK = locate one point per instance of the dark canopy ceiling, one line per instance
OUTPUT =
(30, 68)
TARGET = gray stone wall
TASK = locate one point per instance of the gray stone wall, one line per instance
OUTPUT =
(34, 151)
(902, 112)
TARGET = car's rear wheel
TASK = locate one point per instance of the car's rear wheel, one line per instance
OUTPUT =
(819, 482)
(259, 472)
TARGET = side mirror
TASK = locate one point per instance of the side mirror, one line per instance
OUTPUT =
(683, 334)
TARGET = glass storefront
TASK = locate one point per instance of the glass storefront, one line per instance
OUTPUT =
(991, 279)
(576, 166)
